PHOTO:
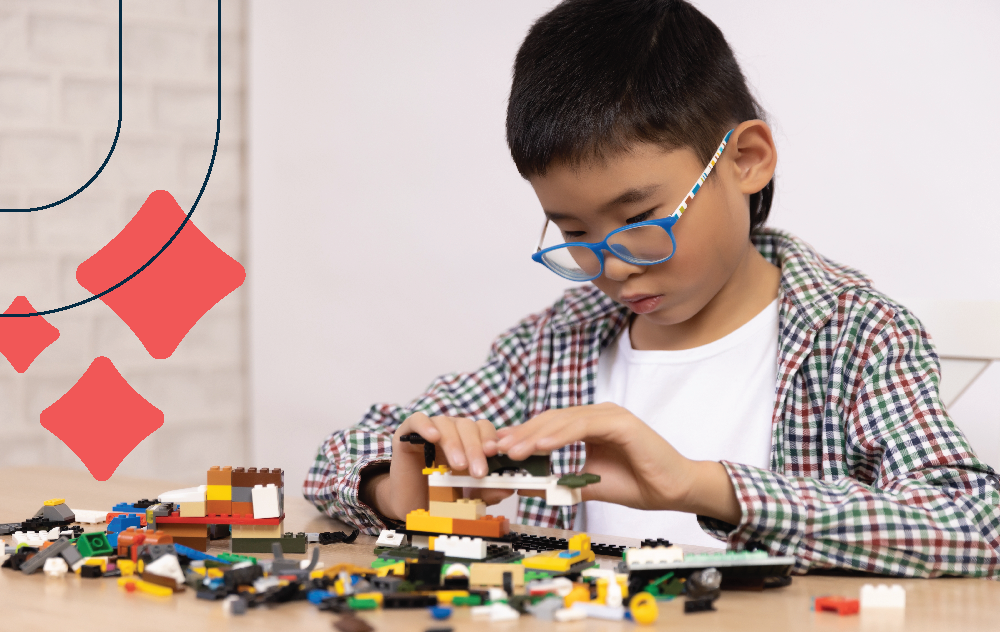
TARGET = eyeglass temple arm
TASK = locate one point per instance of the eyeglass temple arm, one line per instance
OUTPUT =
(541, 239)
(704, 176)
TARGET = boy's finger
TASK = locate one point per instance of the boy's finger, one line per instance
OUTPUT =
(420, 424)
(488, 436)
(510, 437)
(450, 443)
(468, 432)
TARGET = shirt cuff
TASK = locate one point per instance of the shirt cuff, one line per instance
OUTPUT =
(373, 518)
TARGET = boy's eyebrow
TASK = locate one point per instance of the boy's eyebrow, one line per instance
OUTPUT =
(628, 196)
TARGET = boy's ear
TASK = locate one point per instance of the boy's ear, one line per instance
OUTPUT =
(755, 155)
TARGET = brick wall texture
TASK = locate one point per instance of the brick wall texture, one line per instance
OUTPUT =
(58, 113)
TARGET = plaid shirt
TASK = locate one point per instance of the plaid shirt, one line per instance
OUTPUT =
(867, 471)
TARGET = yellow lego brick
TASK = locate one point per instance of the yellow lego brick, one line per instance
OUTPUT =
(579, 542)
(445, 596)
(395, 569)
(602, 586)
(219, 492)
(376, 596)
(464, 509)
(420, 520)
(52, 502)
(440, 469)
(557, 561)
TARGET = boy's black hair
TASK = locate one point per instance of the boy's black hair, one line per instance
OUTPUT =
(593, 77)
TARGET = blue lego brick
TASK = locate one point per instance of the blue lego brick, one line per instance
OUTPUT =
(112, 540)
(120, 523)
(194, 554)
(128, 508)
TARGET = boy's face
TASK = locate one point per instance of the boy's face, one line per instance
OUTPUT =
(589, 201)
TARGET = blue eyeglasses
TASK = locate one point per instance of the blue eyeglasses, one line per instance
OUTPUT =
(640, 244)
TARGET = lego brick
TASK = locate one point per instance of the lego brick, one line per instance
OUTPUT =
(389, 538)
(193, 509)
(219, 492)
(93, 544)
(492, 574)
(654, 555)
(420, 520)
(242, 494)
(882, 596)
(186, 530)
(240, 478)
(274, 476)
(198, 544)
(220, 475)
(289, 544)
(39, 559)
(556, 561)
(121, 522)
(186, 495)
(258, 531)
(465, 509)
(242, 509)
(485, 527)
(444, 494)
(265, 501)
(457, 546)
(175, 518)
(219, 507)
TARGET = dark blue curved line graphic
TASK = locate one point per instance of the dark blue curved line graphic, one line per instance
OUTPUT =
(113, 144)
(215, 151)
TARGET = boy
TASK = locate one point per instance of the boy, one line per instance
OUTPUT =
(722, 378)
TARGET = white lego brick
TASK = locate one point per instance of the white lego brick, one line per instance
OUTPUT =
(52, 534)
(569, 614)
(55, 567)
(166, 566)
(598, 611)
(653, 555)
(90, 516)
(187, 495)
(555, 494)
(882, 596)
(457, 546)
(29, 538)
(388, 537)
(496, 612)
(265, 501)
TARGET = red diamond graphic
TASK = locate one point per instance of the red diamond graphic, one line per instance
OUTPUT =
(22, 339)
(102, 418)
(164, 301)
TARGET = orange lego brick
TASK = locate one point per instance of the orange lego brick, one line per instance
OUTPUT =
(219, 507)
(485, 527)
(240, 509)
(220, 475)
(420, 520)
(444, 494)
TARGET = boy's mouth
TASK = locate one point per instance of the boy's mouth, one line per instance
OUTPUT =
(642, 303)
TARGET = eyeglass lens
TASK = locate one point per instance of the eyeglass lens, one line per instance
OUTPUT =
(641, 245)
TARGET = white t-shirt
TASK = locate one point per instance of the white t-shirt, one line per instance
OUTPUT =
(712, 402)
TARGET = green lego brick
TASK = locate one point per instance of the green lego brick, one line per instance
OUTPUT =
(471, 600)
(289, 544)
(362, 604)
(94, 544)
(379, 562)
(234, 559)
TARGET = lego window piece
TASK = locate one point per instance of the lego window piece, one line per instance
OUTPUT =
(265, 501)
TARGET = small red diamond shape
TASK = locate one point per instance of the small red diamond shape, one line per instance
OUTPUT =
(22, 339)
(102, 418)
(164, 301)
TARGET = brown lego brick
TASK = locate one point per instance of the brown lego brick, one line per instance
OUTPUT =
(219, 507)
(185, 530)
(242, 508)
(240, 478)
(271, 477)
(485, 527)
(220, 475)
(444, 494)
(198, 544)
(160, 580)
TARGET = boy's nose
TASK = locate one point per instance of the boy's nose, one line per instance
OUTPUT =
(617, 270)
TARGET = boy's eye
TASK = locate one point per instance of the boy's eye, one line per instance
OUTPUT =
(573, 235)
(641, 217)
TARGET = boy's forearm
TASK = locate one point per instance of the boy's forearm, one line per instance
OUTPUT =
(712, 493)
(372, 491)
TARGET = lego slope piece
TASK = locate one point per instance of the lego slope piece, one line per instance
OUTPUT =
(187, 495)
(265, 501)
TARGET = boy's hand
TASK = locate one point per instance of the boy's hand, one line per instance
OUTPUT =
(637, 466)
(461, 443)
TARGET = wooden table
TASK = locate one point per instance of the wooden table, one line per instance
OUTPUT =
(37, 602)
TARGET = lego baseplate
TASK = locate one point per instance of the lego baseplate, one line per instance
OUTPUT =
(735, 566)
(495, 554)
(527, 542)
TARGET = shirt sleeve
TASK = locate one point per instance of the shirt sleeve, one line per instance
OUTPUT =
(496, 391)
(917, 502)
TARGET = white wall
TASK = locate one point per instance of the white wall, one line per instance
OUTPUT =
(390, 232)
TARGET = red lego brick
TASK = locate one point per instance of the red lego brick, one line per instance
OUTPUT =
(837, 603)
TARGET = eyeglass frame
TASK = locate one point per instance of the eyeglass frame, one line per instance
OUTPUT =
(666, 223)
